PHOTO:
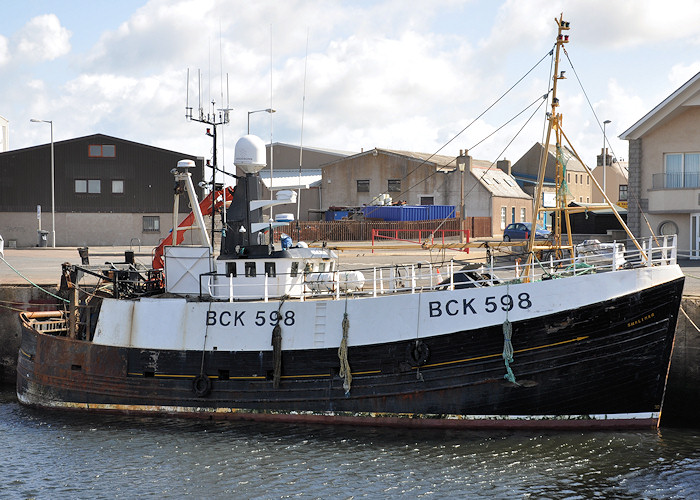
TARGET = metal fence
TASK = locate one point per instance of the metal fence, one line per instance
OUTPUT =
(479, 227)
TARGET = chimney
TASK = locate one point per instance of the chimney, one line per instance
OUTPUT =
(505, 166)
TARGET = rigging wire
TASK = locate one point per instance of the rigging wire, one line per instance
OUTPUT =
(426, 160)
(590, 105)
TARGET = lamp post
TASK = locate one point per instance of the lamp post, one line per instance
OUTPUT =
(461, 164)
(605, 157)
(53, 185)
(268, 110)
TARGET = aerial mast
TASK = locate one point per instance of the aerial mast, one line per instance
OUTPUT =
(214, 118)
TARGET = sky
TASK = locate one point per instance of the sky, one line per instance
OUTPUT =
(411, 75)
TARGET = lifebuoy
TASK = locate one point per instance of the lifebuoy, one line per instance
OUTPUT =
(417, 353)
(201, 385)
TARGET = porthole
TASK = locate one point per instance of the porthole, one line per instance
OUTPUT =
(668, 228)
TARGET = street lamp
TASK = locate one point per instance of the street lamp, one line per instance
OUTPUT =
(461, 164)
(268, 110)
(53, 185)
(605, 188)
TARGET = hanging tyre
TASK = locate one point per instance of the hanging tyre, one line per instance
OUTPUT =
(417, 353)
(201, 385)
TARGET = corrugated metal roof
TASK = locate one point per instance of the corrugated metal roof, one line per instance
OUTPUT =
(291, 179)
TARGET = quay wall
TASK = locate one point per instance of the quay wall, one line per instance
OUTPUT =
(681, 404)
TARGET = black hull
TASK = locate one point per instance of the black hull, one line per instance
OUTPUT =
(607, 358)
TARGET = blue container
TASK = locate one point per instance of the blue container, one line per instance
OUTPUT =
(335, 214)
(439, 212)
(399, 213)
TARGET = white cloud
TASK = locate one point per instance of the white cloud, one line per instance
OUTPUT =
(4, 51)
(42, 39)
(681, 73)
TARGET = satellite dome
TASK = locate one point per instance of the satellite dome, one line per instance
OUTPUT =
(250, 154)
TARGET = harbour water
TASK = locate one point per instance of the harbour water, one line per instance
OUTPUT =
(65, 455)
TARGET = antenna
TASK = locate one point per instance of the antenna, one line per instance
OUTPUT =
(188, 108)
(214, 121)
(301, 139)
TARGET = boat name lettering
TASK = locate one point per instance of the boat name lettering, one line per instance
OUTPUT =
(235, 318)
(453, 307)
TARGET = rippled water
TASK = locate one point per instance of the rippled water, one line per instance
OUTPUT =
(60, 455)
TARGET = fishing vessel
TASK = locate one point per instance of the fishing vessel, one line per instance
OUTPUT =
(277, 331)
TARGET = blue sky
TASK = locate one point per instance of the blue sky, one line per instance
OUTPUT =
(395, 74)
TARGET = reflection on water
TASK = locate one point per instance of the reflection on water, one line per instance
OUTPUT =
(64, 455)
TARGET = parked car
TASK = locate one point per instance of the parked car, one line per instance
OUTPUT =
(522, 230)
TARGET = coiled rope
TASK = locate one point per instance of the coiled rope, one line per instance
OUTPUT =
(344, 371)
(508, 351)
(508, 345)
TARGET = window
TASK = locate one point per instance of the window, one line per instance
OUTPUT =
(623, 193)
(682, 170)
(522, 215)
(503, 217)
(250, 270)
(394, 185)
(102, 151)
(588, 180)
(151, 224)
(668, 228)
(427, 200)
(270, 270)
(568, 177)
(363, 185)
(512, 214)
(92, 186)
(295, 270)
(231, 269)
(117, 187)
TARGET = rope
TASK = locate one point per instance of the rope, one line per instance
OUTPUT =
(277, 347)
(688, 318)
(508, 351)
(31, 282)
(508, 345)
(276, 355)
(343, 352)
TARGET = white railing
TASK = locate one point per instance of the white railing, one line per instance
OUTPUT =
(425, 276)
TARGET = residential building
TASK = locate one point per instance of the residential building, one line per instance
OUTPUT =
(615, 181)
(577, 181)
(664, 169)
(108, 191)
(424, 179)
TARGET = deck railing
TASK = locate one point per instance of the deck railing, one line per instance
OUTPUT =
(425, 276)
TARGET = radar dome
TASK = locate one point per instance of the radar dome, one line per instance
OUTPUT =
(250, 154)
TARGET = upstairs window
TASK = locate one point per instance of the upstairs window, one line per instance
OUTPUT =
(90, 186)
(682, 170)
(623, 192)
(394, 185)
(102, 151)
(117, 186)
(363, 185)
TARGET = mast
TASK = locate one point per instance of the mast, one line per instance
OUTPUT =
(561, 209)
(555, 120)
